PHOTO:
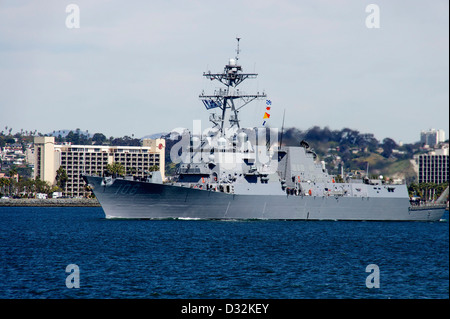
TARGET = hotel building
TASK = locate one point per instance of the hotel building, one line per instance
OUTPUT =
(433, 167)
(93, 159)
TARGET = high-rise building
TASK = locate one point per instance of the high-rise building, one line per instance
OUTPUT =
(44, 166)
(434, 166)
(93, 159)
(432, 137)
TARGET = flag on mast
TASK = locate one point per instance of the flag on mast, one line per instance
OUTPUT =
(267, 115)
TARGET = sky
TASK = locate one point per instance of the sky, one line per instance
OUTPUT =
(136, 67)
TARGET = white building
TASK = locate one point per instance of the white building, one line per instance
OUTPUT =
(434, 166)
(93, 159)
(432, 137)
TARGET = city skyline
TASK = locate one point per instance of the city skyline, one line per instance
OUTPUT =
(138, 69)
(89, 134)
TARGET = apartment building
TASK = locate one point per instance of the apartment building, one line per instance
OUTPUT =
(432, 137)
(433, 167)
(93, 159)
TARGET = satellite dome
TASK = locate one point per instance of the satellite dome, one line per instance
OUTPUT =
(242, 137)
(222, 143)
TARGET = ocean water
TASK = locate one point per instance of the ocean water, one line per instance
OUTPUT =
(183, 259)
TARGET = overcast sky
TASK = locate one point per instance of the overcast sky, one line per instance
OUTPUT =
(135, 67)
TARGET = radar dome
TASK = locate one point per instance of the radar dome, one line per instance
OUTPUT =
(222, 143)
(242, 137)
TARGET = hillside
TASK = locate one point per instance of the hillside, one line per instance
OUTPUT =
(353, 151)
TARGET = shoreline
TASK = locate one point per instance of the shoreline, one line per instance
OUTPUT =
(50, 202)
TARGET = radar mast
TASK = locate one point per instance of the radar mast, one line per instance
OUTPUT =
(229, 97)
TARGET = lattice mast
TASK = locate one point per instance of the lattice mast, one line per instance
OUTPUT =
(225, 98)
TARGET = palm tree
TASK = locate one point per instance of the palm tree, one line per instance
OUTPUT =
(115, 169)
(413, 190)
(131, 171)
(5, 183)
(42, 186)
(61, 178)
(431, 191)
(12, 172)
(440, 189)
(2, 185)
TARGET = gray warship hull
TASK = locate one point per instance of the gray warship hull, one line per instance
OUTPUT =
(145, 200)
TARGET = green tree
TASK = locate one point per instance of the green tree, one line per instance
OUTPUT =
(115, 169)
(440, 189)
(98, 138)
(388, 145)
(54, 189)
(73, 138)
(414, 190)
(12, 172)
(31, 187)
(42, 186)
(131, 170)
(428, 191)
(3, 183)
(61, 178)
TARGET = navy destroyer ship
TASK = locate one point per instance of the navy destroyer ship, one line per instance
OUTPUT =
(231, 173)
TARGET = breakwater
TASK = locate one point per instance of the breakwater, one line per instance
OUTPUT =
(50, 202)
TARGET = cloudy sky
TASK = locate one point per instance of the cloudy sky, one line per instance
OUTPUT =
(135, 67)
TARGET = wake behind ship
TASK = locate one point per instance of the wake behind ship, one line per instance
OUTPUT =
(231, 172)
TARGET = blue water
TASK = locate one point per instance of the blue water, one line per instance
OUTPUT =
(217, 259)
